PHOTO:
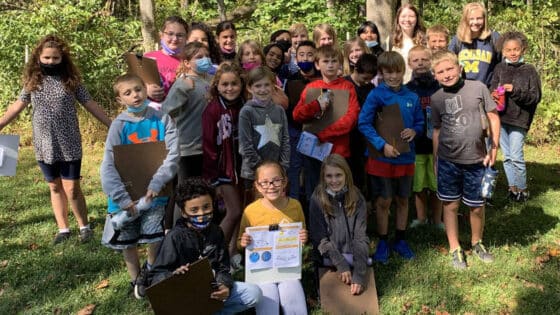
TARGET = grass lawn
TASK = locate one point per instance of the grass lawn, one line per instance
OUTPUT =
(38, 278)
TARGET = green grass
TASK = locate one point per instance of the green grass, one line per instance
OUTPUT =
(37, 277)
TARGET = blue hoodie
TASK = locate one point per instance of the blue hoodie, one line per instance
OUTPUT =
(411, 113)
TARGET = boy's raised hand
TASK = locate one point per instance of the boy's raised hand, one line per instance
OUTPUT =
(181, 270)
(408, 134)
(221, 294)
(390, 151)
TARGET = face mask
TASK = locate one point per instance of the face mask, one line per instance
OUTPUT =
(371, 43)
(200, 222)
(305, 66)
(518, 61)
(284, 44)
(49, 69)
(228, 55)
(132, 109)
(248, 66)
(167, 50)
(203, 65)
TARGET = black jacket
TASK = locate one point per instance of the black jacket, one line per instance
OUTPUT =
(183, 245)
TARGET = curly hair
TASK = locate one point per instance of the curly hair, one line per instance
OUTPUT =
(225, 67)
(518, 36)
(191, 188)
(32, 75)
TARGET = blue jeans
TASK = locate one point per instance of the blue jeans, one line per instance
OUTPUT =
(242, 296)
(512, 139)
(295, 163)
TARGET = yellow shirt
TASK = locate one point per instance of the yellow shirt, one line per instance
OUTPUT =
(257, 214)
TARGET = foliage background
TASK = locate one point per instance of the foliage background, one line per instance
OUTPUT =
(99, 31)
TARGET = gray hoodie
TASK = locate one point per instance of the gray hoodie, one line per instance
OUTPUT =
(263, 135)
(126, 129)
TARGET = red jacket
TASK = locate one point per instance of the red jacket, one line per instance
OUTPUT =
(220, 142)
(337, 133)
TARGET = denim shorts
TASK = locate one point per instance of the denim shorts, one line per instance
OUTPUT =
(66, 170)
(460, 181)
(148, 228)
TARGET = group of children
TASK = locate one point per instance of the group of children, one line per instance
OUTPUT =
(234, 119)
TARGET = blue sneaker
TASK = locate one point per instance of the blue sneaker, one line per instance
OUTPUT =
(402, 248)
(382, 252)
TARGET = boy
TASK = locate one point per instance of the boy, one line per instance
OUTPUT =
(138, 124)
(390, 176)
(195, 236)
(459, 145)
(424, 181)
(437, 36)
(305, 58)
(327, 60)
(299, 33)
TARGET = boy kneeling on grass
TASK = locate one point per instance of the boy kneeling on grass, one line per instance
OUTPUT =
(195, 236)
(460, 150)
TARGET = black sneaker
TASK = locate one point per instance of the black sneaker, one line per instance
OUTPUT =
(61, 237)
(141, 282)
(86, 235)
(522, 196)
(482, 253)
(458, 259)
(512, 195)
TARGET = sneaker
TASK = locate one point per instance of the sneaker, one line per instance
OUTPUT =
(440, 226)
(458, 259)
(86, 235)
(61, 237)
(402, 248)
(512, 195)
(522, 196)
(382, 252)
(416, 223)
(141, 282)
(481, 252)
(235, 263)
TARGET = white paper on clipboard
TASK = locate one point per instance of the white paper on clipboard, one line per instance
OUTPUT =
(309, 145)
(8, 154)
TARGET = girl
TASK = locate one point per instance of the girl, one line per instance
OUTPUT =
(186, 102)
(200, 32)
(220, 145)
(226, 36)
(173, 37)
(475, 44)
(409, 31)
(338, 222)
(324, 34)
(52, 83)
(353, 49)
(369, 33)
(274, 208)
(523, 93)
(274, 59)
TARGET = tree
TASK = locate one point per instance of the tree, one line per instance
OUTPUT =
(148, 25)
(382, 12)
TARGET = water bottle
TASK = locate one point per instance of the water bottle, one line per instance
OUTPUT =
(489, 182)
(124, 217)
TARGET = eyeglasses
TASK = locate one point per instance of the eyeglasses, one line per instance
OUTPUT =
(276, 182)
(176, 35)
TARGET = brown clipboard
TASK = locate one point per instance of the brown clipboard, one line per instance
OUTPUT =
(187, 293)
(137, 163)
(337, 299)
(144, 67)
(389, 124)
(338, 108)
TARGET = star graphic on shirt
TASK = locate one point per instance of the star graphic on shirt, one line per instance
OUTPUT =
(269, 133)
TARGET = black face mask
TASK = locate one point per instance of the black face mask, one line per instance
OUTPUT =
(50, 70)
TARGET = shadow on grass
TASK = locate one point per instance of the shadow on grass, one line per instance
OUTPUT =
(541, 291)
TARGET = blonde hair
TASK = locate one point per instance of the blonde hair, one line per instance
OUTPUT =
(419, 48)
(346, 50)
(443, 55)
(323, 28)
(125, 78)
(418, 34)
(249, 43)
(298, 28)
(328, 51)
(352, 196)
(464, 33)
(437, 29)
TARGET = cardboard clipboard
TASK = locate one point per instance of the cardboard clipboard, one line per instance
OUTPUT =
(333, 113)
(9, 145)
(137, 163)
(337, 299)
(187, 293)
(144, 67)
(389, 125)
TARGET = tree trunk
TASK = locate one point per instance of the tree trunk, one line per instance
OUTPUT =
(382, 12)
(222, 10)
(148, 26)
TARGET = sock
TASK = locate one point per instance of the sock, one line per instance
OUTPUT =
(383, 237)
(84, 227)
(66, 230)
(400, 235)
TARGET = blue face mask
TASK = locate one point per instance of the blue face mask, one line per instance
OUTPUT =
(132, 109)
(518, 61)
(200, 222)
(371, 43)
(203, 65)
(306, 66)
